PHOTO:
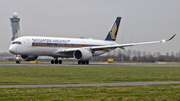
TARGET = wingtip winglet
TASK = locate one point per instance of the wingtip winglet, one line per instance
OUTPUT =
(171, 37)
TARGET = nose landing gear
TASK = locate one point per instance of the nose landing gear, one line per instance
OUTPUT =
(17, 59)
(18, 62)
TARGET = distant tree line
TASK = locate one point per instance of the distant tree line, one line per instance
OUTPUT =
(139, 56)
(126, 56)
(6, 55)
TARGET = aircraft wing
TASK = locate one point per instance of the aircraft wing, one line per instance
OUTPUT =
(97, 48)
(127, 45)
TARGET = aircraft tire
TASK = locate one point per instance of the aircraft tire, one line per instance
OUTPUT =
(18, 62)
(56, 61)
(79, 62)
(83, 62)
(60, 61)
(87, 62)
(52, 61)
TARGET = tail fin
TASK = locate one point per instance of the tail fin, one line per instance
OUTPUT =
(114, 30)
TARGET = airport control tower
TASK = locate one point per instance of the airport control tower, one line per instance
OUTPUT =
(15, 26)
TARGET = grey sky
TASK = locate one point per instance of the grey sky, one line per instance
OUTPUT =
(145, 20)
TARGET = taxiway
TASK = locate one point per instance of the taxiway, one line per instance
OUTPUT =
(96, 85)
(91, 64)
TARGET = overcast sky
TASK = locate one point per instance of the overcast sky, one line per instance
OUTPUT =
(142, 20)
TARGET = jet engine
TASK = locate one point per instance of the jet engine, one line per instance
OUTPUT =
(82, 54)
(29, 57)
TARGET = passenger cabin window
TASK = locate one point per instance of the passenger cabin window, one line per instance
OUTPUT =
(17, 42)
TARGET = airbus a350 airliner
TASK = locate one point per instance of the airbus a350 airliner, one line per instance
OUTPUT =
(30, 47)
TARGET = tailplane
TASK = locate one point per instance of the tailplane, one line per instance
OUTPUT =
(114, 30)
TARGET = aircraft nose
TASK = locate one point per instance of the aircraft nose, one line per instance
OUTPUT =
(12, 49)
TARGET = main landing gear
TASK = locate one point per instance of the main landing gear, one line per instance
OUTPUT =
(83, 62)
(56, 61)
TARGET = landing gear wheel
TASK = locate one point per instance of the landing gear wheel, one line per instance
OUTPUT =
(56, 61)
(79, 62)
(87, 62)
(52, 61)
(60, 61)
(18, 62)
(83, 62)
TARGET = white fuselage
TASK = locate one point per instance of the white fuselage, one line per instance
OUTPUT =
(49, 46)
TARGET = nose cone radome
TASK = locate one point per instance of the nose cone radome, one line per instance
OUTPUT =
(12, 49)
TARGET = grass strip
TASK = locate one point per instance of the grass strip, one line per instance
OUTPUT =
(128, 93)
(25, 75)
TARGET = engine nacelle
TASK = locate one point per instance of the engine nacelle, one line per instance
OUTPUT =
(29, 57)
(82, 54)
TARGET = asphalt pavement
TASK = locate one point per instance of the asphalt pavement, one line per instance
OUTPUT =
(96, 85)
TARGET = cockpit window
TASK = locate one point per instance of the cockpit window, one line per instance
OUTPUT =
(17, 42)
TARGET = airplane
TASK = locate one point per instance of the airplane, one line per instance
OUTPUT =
(82, 50)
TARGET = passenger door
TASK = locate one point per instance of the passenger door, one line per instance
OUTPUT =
(29, 43)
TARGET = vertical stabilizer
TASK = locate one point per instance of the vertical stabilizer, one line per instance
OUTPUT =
(15, 26)
(114, 30)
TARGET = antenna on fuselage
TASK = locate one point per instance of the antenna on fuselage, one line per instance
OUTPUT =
(15, 26)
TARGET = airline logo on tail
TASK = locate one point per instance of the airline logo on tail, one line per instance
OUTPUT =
(114, 30)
